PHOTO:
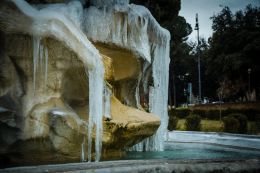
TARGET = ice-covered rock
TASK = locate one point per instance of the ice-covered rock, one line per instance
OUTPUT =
(65, 72)
(133, 28)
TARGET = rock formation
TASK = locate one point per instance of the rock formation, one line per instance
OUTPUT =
(75, 83)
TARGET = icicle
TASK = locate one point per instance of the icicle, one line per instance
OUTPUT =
(137, 95)
(158, 96)
(40, 63)
(46, 55)
(107, 98)
(83, 150)
(96, 76)
(36, 47)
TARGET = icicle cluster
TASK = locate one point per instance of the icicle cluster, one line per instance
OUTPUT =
(134, 28)
(96, 76)
(108, 21)
(158, 97)
(52, 22)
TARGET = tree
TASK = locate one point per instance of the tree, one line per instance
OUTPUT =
(233, 49)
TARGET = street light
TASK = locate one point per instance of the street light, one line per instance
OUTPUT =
(249, 80)
(198, 52)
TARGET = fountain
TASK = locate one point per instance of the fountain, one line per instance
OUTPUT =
(88, 81)
(72, 77)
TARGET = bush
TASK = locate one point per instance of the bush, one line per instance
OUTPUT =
(242, 119)
(179, 113)
(252, 128)
(213, 114)
(257, 122)
(231, 124)
(250, 113)
(201, 113)
(192, 122)
(173, 121)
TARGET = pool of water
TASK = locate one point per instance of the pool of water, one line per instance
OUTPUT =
(197, 145)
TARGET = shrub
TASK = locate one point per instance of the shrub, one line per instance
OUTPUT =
(252, 128)
(257, 122)
(173, 121)
(242, 119)
(213, 114)
(179, 113)
(228, 111)
(231, 124)
(192, 122)
(249, 113)
(200, 112)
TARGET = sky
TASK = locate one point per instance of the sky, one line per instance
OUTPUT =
(206, 9)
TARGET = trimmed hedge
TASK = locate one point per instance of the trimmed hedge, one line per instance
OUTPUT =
(235, 123)
(252, 129)
(251, 114)
(242, 122)
(257, 122)
(179, 113)
(192, 122)
(231, 124)
(173, 121)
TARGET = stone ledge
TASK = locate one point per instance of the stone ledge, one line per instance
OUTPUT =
(176, 166)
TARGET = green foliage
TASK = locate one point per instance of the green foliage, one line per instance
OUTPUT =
(257, 122)
(242, 119)
(234, 47)
(252, 128)
(231, 124)
(235, 123)
(201, 113)
(193, 122)
(179, 113)
(213, 114)
(173, 121)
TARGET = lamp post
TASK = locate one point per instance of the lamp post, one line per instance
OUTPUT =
(187, 81)
(249, 80)
(198, 53)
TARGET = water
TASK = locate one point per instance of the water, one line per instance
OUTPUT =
(200, 145)
(194, 151)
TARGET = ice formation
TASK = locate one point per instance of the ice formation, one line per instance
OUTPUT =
(134, 28)
(107, 101)
(40, 63)
(96, 77)
(122, 25)
(48, 22)
(115, 22)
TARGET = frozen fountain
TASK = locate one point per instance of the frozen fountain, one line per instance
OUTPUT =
(74, 81)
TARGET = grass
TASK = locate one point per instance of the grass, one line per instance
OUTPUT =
(209, 126)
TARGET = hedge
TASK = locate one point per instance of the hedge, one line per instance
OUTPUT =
(214, 114)
(242, 119)
(231, 124)
(173, 121)
(192, 122)
(180, 113)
